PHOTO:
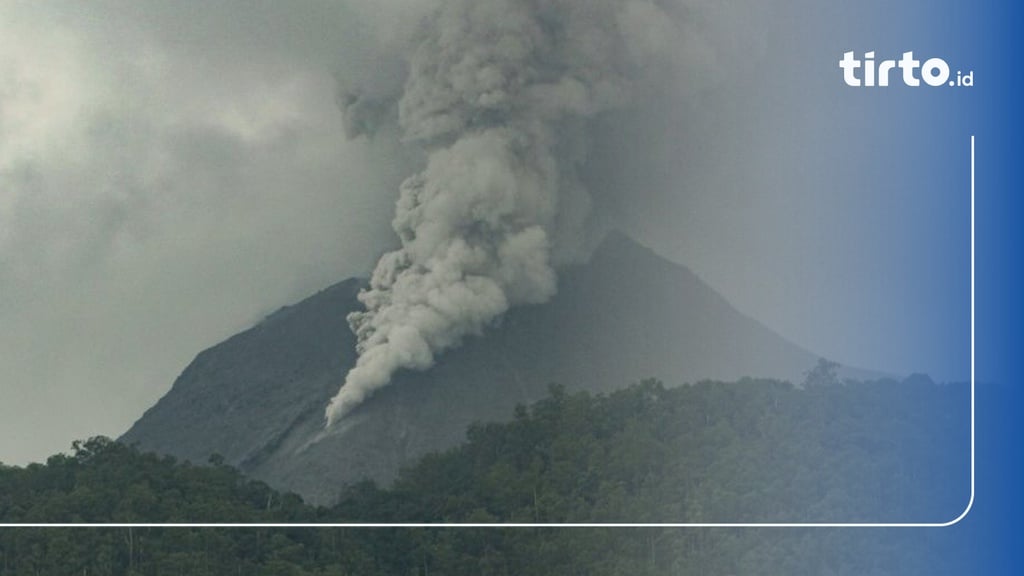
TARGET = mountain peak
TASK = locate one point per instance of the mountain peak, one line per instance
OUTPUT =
(616, 241)
(619, 255)
(258, 398)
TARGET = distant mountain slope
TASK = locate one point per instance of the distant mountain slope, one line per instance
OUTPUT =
(257, 398)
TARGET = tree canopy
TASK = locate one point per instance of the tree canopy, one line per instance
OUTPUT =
(747, 451)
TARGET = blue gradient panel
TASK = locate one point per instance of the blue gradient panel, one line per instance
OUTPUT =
(908, 149)
(991, 533)
(894, 165)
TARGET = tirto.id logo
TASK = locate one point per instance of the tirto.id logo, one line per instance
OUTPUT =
(933, 71)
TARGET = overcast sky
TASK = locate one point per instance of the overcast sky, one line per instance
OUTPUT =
(171, 172)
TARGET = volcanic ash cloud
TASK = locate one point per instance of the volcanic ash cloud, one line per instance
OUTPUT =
(498, 95)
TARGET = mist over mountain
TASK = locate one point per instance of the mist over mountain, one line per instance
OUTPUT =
(257, 398)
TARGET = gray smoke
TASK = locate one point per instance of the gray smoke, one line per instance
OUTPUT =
(498, 95)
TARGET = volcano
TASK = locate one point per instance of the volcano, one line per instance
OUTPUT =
(257, 399)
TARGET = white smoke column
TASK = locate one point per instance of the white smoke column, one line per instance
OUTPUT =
(498, 94)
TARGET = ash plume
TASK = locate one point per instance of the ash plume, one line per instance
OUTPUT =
(498, 95)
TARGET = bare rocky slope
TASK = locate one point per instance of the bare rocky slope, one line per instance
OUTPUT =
(257, 399)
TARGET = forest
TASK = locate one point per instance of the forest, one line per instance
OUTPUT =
(825, 450)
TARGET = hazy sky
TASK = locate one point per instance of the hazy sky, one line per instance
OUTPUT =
(171, 172)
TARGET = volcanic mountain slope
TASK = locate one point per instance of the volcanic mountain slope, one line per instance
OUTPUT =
(258, 398)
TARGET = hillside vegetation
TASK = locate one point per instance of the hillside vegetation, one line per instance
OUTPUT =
(748, 451)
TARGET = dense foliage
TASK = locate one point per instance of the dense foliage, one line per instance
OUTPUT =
(748, 451)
